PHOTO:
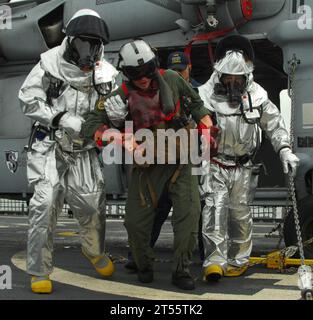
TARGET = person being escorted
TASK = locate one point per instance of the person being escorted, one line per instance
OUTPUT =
(241, 109)
(179, 62)
(152, 99)
(66, 84)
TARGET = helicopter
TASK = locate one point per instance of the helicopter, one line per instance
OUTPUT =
(280, 32)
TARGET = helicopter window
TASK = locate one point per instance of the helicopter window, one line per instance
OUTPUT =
(13, 123)
(307, 110)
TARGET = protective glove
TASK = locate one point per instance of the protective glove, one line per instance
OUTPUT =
(209, 136)
(71, 124)
(116, 109)
(289, 160)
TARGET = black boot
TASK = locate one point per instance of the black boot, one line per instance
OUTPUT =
(131, 266)
(145, 276)
(183, 281)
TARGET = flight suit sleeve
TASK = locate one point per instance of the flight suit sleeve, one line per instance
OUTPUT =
(98, 117)
(195, 104)
(33, 97)
(274, 126)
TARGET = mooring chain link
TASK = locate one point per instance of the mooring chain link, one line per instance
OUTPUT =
(293, 63)
(304, 271)
(291, 80)
(296, 217)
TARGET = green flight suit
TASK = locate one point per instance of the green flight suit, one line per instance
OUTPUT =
(186, 213)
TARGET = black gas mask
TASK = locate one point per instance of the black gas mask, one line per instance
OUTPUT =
(83, 51)
(233, 87)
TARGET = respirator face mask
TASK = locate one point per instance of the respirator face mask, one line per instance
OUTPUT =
(231, 86)
(84, 52)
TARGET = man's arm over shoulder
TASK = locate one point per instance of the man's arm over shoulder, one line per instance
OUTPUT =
(195, 105)
(98, 117)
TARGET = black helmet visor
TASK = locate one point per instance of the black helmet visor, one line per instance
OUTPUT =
(146, 70)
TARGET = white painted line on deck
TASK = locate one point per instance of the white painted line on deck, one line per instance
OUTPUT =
(106, 286)
(140, 292)
(282, 279)
(13, 217)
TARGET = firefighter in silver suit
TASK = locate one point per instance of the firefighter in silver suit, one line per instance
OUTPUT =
(241, 109)
(64, 86)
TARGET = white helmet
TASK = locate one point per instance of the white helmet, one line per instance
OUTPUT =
(137, 59)
(136, 53)
(234, 63)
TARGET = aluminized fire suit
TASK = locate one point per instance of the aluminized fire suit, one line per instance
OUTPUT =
(61, 164)
(229, 178)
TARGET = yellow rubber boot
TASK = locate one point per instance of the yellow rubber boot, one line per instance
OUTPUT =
(235, 271)
(213, 272)
(103, 264)
(41, 284)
